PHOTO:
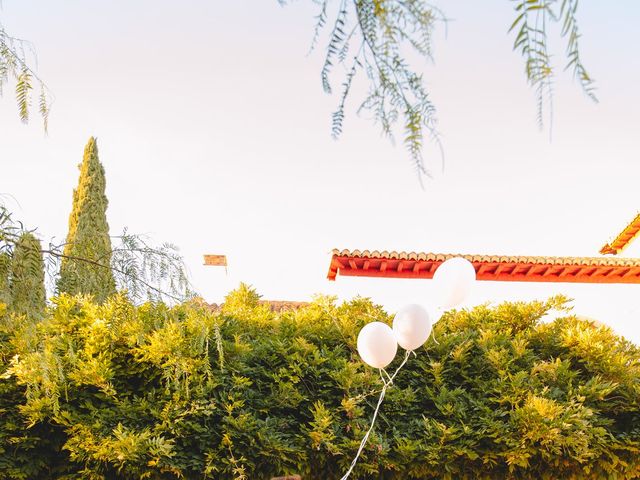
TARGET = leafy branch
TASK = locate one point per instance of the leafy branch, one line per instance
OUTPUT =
(531, 24)
(145, 271)
(148, 271)
(376, 37)
(15, 58)
(370, 37)
(570, 32)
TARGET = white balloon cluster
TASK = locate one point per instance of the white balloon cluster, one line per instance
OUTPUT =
(378, 343)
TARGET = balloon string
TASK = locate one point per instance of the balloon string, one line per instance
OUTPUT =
(366, 436)
(385, 384)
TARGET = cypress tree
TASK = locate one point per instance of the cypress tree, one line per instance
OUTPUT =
(5, 265)
(26, 285)
(85, 269)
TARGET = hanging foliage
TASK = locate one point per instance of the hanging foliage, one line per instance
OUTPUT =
(531, 27)
(377, 38)
(16, 56)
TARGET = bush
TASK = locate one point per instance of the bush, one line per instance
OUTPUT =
(116, 391)
(26, 285)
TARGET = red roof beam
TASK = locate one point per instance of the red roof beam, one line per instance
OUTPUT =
(488, 268)
(624, 238)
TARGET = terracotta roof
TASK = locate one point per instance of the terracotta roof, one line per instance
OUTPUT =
(393, 264)
(624, 238)
(281, 305)
(274, 305)
(215, 260)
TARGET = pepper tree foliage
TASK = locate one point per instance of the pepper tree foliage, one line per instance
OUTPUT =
(144, 270)
(531, 27)
(16, 59)
(115, 391)
(374, 38)
(26, 282)
(88, 236)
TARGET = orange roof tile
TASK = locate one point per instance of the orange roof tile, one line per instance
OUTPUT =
(624, 238)
(488, 267)
(215, 260)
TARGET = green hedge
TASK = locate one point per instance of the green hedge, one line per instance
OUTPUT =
(116, 391)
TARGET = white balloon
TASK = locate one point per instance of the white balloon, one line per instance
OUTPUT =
(454, 281)
(376, 344)
(411, 326)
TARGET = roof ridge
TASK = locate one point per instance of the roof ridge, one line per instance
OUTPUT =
(534, 259)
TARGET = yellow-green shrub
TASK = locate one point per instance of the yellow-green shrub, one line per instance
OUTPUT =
(116, 391)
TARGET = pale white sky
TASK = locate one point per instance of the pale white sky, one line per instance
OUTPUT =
(214, 133)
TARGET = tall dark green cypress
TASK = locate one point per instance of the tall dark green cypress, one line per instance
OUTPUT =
(85, 268)
(26, 281)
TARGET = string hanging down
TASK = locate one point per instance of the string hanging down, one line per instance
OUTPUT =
(385, 385)
(378, 343)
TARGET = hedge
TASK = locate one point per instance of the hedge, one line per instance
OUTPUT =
(118, 391)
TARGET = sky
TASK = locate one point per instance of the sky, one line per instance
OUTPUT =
(215, 135)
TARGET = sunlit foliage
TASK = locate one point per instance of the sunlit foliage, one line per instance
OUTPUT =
(116, 391)
(85, 266)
